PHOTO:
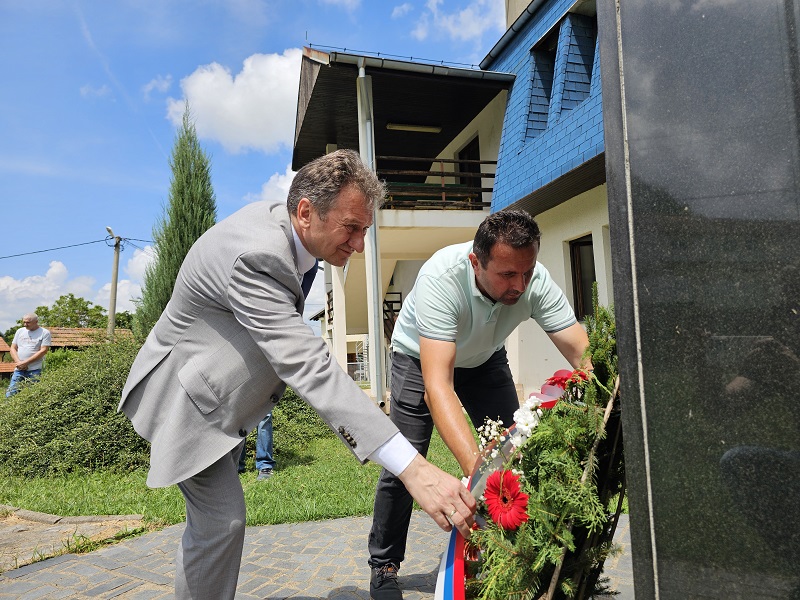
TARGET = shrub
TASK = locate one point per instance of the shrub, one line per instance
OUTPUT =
(56, 358)
(296, 423)
(68, 421)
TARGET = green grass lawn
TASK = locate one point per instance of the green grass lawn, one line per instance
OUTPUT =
(324, 481)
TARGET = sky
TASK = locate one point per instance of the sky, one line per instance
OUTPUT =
(94, 92)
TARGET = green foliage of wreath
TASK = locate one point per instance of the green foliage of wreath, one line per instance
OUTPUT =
(563, 504)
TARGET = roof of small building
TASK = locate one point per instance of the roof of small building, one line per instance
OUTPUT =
(73, 337)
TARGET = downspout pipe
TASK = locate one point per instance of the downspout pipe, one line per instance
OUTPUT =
(366, 144)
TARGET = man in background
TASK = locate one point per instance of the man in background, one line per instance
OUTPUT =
(265, 462)
(30, 344)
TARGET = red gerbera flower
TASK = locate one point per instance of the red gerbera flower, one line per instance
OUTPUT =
(506, 502)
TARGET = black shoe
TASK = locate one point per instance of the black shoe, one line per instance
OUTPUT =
(383, 583)
(264, 474)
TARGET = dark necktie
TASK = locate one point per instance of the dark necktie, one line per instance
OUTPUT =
(308, 279)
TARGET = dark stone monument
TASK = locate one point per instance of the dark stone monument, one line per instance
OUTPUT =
(700, 103)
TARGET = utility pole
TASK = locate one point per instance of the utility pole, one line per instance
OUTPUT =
(112, 302)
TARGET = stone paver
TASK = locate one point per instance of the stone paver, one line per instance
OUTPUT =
(316, 560)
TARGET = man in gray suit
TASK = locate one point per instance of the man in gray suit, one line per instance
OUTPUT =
(229, 341)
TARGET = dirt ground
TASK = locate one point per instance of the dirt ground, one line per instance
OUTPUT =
(27, 537)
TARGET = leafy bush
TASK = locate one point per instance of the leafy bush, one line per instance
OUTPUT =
(68, 421)
(295, 422)
(56, 358)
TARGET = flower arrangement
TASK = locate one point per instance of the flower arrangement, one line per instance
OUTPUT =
(544, 488)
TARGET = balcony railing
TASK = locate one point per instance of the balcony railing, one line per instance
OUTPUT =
(435, 183)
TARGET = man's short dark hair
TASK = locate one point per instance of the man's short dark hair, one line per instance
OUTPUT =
(323, 179)
(515, 228)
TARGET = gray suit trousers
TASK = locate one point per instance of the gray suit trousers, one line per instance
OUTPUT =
(207, 566)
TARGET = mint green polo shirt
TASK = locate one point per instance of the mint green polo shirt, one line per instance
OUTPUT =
(446, 304)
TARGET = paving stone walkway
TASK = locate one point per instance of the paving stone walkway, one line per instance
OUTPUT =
(302, 561)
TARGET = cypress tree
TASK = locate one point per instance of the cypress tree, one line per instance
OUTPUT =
(191, 210)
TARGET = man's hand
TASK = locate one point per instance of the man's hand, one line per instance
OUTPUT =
(440, 495)
(22, 365)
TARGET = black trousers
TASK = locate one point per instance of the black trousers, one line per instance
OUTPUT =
(485, 391)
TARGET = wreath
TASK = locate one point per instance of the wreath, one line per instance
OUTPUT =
(550, 489)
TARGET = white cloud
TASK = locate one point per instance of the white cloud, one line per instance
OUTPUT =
(346, 4)
(420, 31)
(401, 10)
(138, 263)
(126, 291)
(18, 296)
(255, 109)
(89, 91)
(159, 84)
(469, 23)
(276, 189)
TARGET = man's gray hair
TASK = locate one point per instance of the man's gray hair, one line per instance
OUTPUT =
(323, 179)
(30, 317)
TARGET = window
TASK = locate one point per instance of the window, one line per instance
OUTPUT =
(580, 60)
(561, 70)
(542, 72)
(582, 260)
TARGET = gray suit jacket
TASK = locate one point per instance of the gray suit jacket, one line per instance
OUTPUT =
(229, 341)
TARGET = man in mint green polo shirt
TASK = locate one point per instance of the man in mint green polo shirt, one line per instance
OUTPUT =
(448, 344)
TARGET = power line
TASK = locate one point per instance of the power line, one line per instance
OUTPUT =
(148, 251)
(52, 249)
(73, 246)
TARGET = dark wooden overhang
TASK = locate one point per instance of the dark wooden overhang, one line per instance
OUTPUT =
(404, 92)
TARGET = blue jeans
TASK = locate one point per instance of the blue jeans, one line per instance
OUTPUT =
(264, 458)
(20, 376)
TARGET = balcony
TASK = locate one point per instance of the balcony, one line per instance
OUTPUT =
(435, 183)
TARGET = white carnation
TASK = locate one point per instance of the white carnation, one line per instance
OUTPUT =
(526, 420)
